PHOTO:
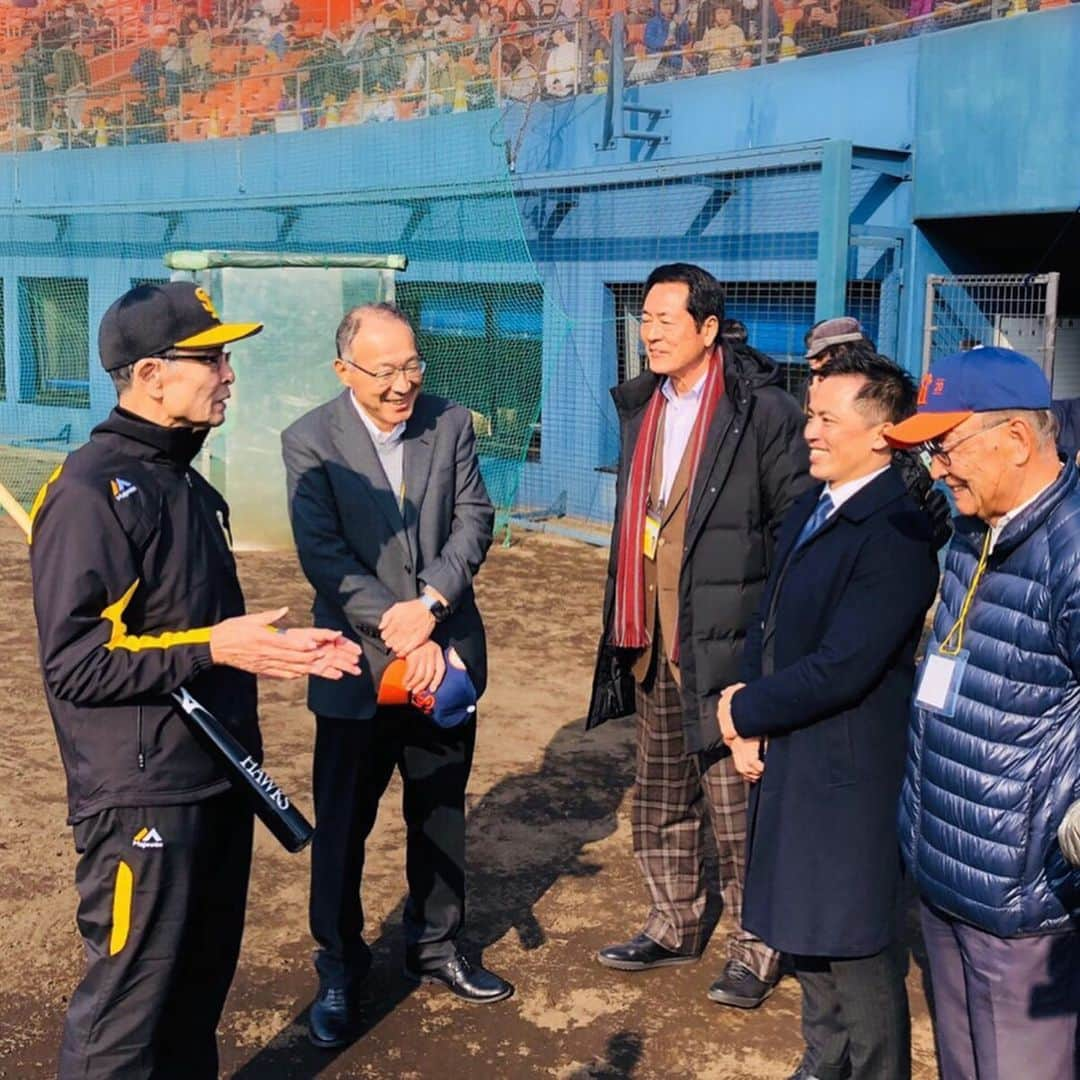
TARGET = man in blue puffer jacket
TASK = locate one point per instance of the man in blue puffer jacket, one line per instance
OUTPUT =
(994, 745)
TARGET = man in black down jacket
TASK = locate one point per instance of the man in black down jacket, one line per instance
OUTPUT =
(701, 514)
(136, 594)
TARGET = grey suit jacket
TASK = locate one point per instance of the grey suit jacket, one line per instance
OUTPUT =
(362, 554)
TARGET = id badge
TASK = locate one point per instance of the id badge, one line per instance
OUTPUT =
(939, 681)
(651, 536)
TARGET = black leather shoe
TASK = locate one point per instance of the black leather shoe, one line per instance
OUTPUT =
(470, 982)
(801, 1074)
(740, 987)
(332, 1018)
(641, 953)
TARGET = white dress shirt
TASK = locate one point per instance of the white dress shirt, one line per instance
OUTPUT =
(840, 493)
(389, 448)
(679, 417)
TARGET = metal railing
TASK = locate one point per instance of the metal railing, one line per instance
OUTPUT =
(1016, 311)
(326, 87)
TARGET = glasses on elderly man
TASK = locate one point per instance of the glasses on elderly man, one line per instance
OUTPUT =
(385, 373)
(934, 449)
(210, 357)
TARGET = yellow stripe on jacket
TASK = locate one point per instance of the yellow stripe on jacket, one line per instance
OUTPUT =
(39, 498)
(121, 639)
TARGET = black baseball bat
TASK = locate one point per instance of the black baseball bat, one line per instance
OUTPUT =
(271, 804)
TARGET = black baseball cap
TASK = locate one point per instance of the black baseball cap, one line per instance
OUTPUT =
(151, 319)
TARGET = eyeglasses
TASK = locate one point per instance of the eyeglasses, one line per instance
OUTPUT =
(413, 370)
(210, 359)
(934, 449)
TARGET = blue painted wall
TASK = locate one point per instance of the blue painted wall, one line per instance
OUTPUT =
(998, 118)
(237, 171)
(866, 96)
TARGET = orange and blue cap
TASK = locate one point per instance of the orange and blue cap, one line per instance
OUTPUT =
(452, 703)
(978, 380)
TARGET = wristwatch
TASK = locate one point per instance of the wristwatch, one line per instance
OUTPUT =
(437, 608)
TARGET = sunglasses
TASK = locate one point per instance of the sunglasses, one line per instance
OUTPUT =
(211, 358)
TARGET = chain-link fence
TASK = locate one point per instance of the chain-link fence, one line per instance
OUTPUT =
(1015, 311)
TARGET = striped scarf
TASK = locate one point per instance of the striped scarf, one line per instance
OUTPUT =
(629, 630)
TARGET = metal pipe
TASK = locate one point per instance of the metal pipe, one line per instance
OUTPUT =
(928, 321)
(1053, 281)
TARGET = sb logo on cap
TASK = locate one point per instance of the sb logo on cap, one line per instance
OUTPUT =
(208, 305)
(929, 385)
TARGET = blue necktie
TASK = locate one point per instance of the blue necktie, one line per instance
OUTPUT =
(814, 522)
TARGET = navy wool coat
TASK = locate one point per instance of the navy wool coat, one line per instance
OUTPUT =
(830, 666)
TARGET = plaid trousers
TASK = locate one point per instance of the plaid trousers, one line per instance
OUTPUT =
(673, 794)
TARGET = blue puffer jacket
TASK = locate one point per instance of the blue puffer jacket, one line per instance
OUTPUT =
(985, 789)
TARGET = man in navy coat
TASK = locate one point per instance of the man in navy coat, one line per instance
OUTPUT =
(820, 726)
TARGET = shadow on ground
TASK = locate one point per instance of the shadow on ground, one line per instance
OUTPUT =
(524, 834)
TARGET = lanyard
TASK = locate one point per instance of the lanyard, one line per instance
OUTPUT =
(945, 648)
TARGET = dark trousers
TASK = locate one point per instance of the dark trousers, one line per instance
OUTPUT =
(354, 760)
(162, 892)
(855, 1018)
(675, 796)
(1003, 1007)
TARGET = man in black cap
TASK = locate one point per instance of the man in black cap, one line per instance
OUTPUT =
(136, 594)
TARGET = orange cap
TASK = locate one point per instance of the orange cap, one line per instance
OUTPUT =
(923, 427)
(392, 685)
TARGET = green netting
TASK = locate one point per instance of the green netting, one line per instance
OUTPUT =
(51, 379)
(54, 366)
(485, 348)
(280, 373)
(525, 288)
(472, 290)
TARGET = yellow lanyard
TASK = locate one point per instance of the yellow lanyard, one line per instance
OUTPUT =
(958, 627)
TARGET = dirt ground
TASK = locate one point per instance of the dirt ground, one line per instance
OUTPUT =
(552, 878)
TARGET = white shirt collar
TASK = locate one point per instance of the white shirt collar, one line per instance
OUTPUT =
(840, 493)
(667, 388)
(378, 436)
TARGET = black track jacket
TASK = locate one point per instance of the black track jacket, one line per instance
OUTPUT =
(131, 566)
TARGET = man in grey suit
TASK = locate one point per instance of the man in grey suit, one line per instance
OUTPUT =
(392, 521)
